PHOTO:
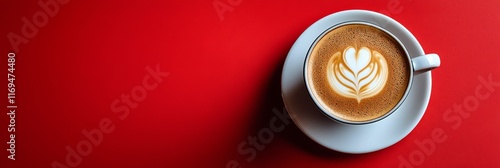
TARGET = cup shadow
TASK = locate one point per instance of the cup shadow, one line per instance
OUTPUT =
(271, 99)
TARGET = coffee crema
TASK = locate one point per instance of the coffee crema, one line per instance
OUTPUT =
(357, 72)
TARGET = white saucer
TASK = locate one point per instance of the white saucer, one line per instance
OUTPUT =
(352, 138)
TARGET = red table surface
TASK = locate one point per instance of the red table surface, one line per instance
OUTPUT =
(196, 84)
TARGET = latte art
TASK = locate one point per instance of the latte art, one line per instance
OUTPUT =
(357, 74)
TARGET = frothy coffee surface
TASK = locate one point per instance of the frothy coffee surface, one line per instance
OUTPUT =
(358, 72)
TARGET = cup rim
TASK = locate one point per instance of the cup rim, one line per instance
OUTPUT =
(326, 111)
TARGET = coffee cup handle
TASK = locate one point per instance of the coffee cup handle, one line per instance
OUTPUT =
(426, 62)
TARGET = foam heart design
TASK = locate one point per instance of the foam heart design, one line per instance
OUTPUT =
(357, 74)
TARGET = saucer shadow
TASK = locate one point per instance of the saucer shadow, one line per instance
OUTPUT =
(271, 99)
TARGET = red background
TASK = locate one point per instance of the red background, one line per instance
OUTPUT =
(224, 81)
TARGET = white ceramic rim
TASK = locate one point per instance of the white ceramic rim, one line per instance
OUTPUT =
(337, 118)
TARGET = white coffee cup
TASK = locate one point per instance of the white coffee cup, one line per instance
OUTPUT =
(418, 63)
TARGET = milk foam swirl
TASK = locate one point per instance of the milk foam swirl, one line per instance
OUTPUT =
(357, 74)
